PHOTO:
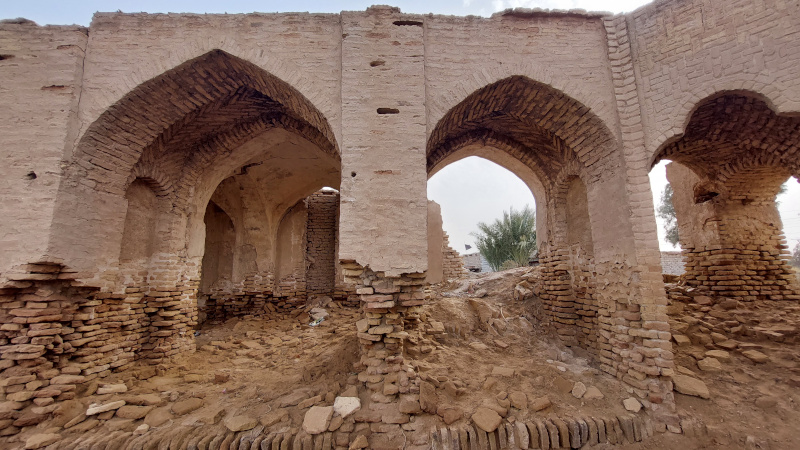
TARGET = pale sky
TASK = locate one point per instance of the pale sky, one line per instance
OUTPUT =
(66, 12)
(471, 190)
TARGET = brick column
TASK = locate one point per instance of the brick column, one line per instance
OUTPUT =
(390, 304)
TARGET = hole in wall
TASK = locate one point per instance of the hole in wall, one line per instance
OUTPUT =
(407, 23)
(377, 62)
(704, 196)
(388, 111)
(31, 175)
(53, 87)
(353, 174)
(4, 57)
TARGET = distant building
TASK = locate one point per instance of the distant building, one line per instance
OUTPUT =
(672, 263)
(474, 262)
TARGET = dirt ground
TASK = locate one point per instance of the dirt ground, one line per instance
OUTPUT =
(480, 345)
(752, 405)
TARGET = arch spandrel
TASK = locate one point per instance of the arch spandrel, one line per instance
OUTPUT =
(309, 69)
(729, 128)
(549, 123)
(535, 66)
(676, 119)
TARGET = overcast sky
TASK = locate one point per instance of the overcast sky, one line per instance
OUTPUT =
(471, 190)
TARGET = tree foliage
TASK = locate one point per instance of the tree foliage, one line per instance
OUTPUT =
(666, 211)
(512, 238)
(795, 260)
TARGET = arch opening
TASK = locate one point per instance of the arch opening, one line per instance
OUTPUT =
(217, 271)
(286, 240)
(468, 191)
(570, 161)
(184, 184)
(186, 129)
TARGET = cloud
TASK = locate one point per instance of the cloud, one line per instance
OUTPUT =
(500, 5)
(616, 6)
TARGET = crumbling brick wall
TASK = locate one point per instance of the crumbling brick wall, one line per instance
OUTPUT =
(452, 263)
(56, 337)
(732, 240)
(565, 96)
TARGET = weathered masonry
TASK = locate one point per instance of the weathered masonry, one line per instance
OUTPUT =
(154, 163)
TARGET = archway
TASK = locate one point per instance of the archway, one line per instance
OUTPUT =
(225, 149)
(468, 191)
(553, 143)
(727, 169)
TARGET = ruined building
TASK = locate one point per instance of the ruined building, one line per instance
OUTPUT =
(158, 168)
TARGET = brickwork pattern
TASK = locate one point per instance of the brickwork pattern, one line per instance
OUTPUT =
(689, 50)
(739, 152)
(322, 242)
(552, 432)
(452, 263)
(182, 102)
(57, 337)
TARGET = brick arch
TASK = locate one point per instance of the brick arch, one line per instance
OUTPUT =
(440, 102)
(156, 179)
(546, 122)
(685, 113)
(488, 138)
(175, 107)
(732, 157)
(558, 197)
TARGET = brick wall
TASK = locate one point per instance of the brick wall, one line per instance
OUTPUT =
(322, 241)
(41, 69)
(303, 97)
(452, 263)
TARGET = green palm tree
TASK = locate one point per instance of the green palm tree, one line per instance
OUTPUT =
(512, 238)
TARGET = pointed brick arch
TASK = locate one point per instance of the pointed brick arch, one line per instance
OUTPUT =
(729, 127)
(729, 164)
(215, 91)
(547, 124)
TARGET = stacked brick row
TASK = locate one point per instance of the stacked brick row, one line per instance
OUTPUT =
(723, 323)
(172, 317)
(755, 269)
(557, 296)
(321, 234)
(630, 348)
(254, 295)
(452, 263)
(56, 337)
(391, 305)
(553, 432)
(221, 306)
(585, 306)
